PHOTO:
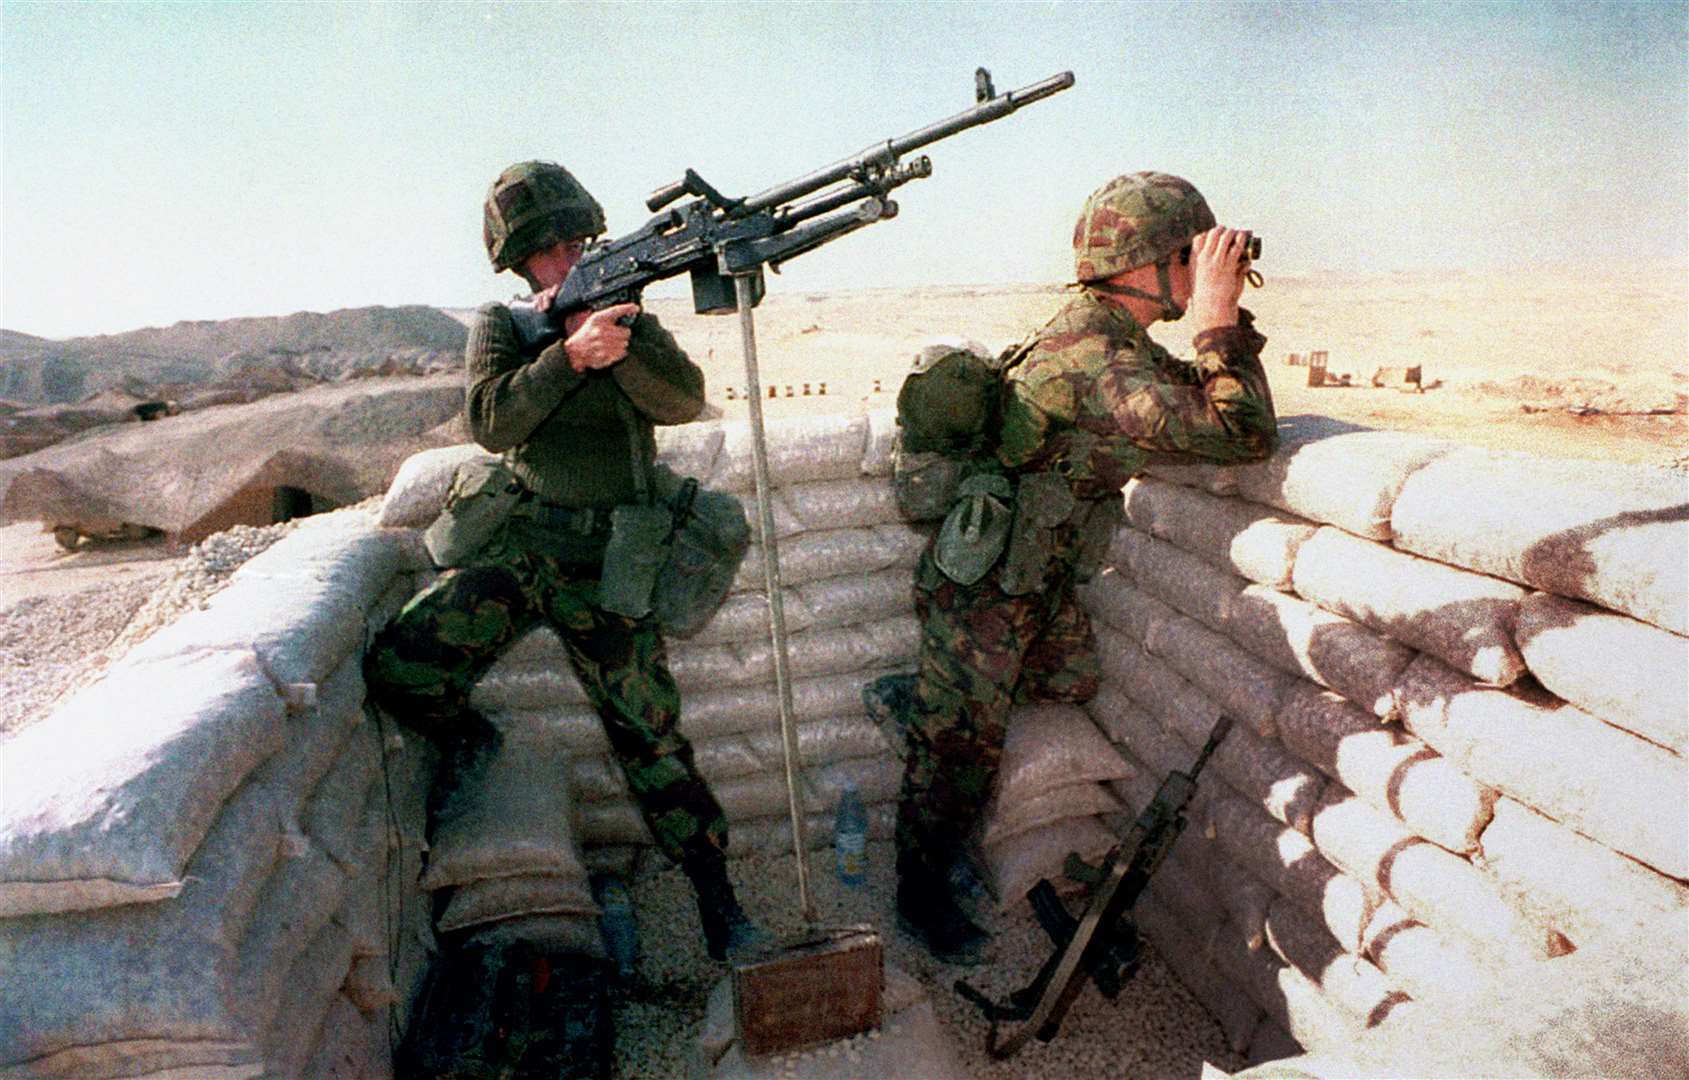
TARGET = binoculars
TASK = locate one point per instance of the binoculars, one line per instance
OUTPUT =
(1251, 252)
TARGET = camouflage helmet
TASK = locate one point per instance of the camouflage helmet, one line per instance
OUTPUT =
(533, 205)
(1136, 220)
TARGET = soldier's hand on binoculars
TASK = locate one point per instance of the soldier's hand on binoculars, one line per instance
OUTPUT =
(597, 339)
(1219, 262)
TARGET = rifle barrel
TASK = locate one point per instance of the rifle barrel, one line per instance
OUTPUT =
(887, 153)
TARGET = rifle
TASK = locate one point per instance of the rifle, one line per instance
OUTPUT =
(1103, 943)
(716, 239)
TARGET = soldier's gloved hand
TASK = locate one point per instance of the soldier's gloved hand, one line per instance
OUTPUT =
(1218, 267)
(596, 339)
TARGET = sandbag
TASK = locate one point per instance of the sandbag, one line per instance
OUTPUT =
(1307, 640)
(1388, 768)
(1611, 534)
(1180, 579)
(1350, 480)
(1235, 536)
(1609, 785)
(514, 897)
(418, 490)
(825, 553)
(1112, 598)
(1353, 982)
(1018, 863)
(801, 449)
(1630, 674)
(1085, 799)
(107, 800)
(1049, 747)
(1249, 690)
(516, 823)
(1463, 618)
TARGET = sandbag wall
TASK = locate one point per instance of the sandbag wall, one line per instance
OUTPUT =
(208, 859)
(1458, 680)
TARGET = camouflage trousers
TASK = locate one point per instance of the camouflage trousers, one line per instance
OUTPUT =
(423, 665)
(982, 651)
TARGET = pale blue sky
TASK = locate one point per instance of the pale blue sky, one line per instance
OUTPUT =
(192, 161)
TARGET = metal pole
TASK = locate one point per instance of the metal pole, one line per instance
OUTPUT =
(776, 605)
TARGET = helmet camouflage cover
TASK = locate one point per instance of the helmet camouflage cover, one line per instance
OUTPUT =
(1136, 220)
(533, 205)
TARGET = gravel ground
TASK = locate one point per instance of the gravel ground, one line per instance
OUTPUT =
(1154, 1029)
(51, 645)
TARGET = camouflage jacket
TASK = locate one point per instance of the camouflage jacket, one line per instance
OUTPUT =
(565, 436)
(1092, 395)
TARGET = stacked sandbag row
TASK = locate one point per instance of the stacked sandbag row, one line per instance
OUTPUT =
(846, 566)
(1448, 763)
(208, 857)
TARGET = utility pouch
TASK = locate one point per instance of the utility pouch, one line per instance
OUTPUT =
(1096, 535)
(1043, 502)
(711, 536)
(639, 535)
(973, 535)
(482, 495)
(926, 484)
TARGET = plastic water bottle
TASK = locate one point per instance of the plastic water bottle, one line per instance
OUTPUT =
(616, 923)
(850, 838)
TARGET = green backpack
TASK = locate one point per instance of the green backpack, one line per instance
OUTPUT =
(947, 413)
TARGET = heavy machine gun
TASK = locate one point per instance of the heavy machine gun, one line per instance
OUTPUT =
(717, 239)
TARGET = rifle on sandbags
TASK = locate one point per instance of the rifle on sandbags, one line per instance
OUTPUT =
(1103, 943)
(717, 239)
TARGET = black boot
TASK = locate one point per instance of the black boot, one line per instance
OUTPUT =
(726, 926)
(927, 911)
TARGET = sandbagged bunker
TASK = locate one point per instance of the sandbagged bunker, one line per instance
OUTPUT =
(1457, 769)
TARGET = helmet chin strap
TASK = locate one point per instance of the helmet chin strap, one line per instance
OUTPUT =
(1170, 311)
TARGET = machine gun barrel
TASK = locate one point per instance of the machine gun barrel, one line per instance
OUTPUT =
(884, 155)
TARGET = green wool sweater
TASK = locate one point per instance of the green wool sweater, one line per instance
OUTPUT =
(560, 428)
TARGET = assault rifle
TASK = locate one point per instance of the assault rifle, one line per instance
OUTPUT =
(1103, 943)
(716, 239)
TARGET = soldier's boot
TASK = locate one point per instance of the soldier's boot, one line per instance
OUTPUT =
(927, 911)
(726, 926)
(889, 700)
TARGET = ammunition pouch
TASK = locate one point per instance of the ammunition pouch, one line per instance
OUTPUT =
(709, 540)
(1018, 522)
(639, 540)
(1043, 502)
(482, 496)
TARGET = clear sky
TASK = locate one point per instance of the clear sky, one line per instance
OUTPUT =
(200, 161)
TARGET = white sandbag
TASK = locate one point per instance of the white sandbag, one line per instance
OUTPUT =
(801, 449)
(302, 603)
(333, 817)
(882, 438)
(1235, 536)
(1248, 689)
(1307, 640)
(1353, 982)
(539, 675)
(1084, 799)
(1350, 479)
(82, 990)
(1245, 897)
(910, 1042)
(1440, 889)
(1111, 598)
(106, 800)
(516, 822)
(418, 490)
(1391, 770)
(297, 902)
(515, 897)
(1182, 580)
(309, 991)
(1236, 1014)
(146, 1059)
(1464, 618)
(369, 986)
(743, 616)
(1129, 726)
(1608, 533)
(1428, 964)
(841, 504)
(550, 933)
(1606, 783)
(1589, 892)
(857, 598)
(1267, 774)
(1287, 861)
(773, 836)
(1270, 1043)
(351, 1045)
(1183, 884)
(691, 449)
(1252, 972)
(1052, 746)
(1630, 674)
(812, 556)
(1017, 864)
(1150, 682)
(1201, 475)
